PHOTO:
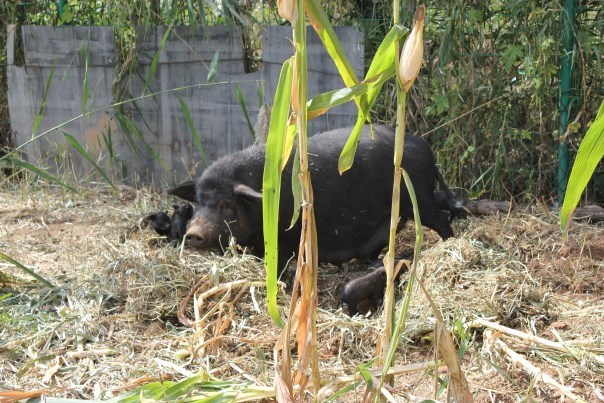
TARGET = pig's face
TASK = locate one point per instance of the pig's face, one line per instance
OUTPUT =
(223, 210)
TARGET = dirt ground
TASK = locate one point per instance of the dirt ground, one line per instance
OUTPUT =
(110, 322)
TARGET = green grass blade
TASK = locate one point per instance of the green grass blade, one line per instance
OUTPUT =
(131, 128)
(155, 61)
(232, 6)
(271, 185)
(260, 89)
(26, 270)
(191, 15)
(591, 152)
(213, 66)
(40, 172)
(204, 19)
(86, 93)
(187, 114)
(126, 125)
(241, 99)
(74, 143)
(108, 142)
(43, 104)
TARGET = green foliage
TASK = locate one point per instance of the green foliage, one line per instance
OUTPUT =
(26, 270)
(489, 89)
(589, 156)
(271, 184)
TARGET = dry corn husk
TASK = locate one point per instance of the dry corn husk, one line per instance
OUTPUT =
(413, 51)
(288, 10)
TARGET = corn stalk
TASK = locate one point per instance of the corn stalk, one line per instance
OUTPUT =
(410, 57)
(303, 305)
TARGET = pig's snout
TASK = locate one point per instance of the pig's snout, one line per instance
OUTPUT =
(199, 233)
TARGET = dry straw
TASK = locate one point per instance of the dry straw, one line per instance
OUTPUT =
(111, 324)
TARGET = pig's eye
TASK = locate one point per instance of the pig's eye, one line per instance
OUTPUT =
(227, 207)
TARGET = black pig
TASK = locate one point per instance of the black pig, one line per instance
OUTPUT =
(352, 210)
(371, 286)
(160, 222)
(178, 223)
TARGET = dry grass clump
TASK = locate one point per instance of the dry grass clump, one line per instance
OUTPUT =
(467, 280)
(151, 283)
(115, 319)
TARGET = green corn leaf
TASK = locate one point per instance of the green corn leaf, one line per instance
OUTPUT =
(271, 185)
(40, 172)
(241, 99)
(382, 61)
(350, 148)
(384, 57)
(213, 66)
(320, 22)
(43, 104)
(26, 270)
(288, 144)
(399, 327)
(591, 152)
(320, 104)
(296, 188)
(187, 114)
(155, 61)
(74, 143)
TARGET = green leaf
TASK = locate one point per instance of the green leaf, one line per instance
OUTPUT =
(383, 61)
(153, 68)
(204, 20)
(131, 128)
(86, 93)
(296, 188)
(320, 104)
(74, 143)
(384, 58)
(127, 128)
(271, 185)
(241, 99)
(43, 104)
(320, 22)
(350, 148)
(591, 152)
(26, 270)
(213, 66)
(40, 172)
(187, 113)
(512, 54)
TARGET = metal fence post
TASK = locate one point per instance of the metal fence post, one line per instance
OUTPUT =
(568, 16)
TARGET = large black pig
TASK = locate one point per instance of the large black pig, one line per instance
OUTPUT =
(352, 210)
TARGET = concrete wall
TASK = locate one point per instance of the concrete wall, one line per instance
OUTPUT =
(159, 119)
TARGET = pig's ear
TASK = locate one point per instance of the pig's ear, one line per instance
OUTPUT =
(185, 191)
(244, 190)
